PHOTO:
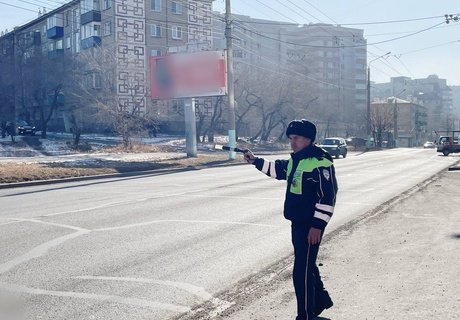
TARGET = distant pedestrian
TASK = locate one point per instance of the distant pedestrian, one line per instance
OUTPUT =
(10, 129)
(309, 204)
(3, 128)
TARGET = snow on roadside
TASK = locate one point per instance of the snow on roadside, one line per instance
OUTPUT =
(56, 148)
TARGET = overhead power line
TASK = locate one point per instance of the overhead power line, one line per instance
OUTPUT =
(348, 46)
(19, 7)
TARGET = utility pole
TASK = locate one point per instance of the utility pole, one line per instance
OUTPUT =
(368, 120)
(395, 122)
(230, 87)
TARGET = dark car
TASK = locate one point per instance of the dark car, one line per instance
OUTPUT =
(335, 146)
(24, 128)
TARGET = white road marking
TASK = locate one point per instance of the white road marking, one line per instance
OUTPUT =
(233, 197)
(9, 222)
(52, 224)
(195, 290)
(99, 297)
(106, 205)
(39, 251)
(142, 224)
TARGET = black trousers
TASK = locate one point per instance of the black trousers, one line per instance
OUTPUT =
(306, 274)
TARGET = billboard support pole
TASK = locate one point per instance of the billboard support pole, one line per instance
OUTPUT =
(190, 127)
(231, 92)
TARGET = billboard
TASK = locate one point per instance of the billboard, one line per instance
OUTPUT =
(184, 75)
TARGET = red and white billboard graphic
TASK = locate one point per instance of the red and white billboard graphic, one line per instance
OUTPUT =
(183, 75)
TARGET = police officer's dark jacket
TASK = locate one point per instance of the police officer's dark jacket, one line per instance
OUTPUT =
(311, 185)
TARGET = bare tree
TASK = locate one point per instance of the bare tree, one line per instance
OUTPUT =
(98, 88)
(381, 122)
(40, 91)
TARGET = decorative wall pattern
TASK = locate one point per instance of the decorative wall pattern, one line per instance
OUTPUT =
(131, 55)
(200, 23)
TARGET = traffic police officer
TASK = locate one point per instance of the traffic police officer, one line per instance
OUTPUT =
(309, 204)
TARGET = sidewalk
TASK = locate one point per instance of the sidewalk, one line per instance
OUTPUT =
(401, 264)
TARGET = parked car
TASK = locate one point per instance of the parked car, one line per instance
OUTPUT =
(24, 128)
(335, 146)
(429, 144)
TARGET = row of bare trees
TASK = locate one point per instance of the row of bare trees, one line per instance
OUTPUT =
(266, 100)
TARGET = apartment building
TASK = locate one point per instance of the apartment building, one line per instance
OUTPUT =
(331, 59)
(130, 30)
(431, 92)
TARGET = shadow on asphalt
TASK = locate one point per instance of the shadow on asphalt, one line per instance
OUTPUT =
(119, 166)
(455, 236)
(130, 176)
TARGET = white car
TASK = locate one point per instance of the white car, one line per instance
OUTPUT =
(429, 144)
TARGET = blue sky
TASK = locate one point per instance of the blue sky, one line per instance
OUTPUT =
(418, 54)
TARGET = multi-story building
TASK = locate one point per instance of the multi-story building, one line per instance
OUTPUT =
(431, 92)
(406, 118)
(331, 59)
(130, 31)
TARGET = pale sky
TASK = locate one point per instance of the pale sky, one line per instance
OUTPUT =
(428, 45)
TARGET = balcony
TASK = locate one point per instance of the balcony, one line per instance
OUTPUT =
(55, 54)
(90, 16)
(91, 42)
(55, 32)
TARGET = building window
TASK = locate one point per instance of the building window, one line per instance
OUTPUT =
(155, 30)
(90, 5)
(155, 53)
(93, 80)
(107, 28)
(67, 18)
(176, 32)
(55, 20)
(77, 41)
(176, 8)
(51, 46)
(178, 106)
(238, 53)
(106, 4)
(75, 19)
(59, 45)
(155, 5)
(68, 43)
(91, 30)
(97, 81)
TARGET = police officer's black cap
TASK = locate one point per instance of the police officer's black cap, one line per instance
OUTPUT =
(302, 128)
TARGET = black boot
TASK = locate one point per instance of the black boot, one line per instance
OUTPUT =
(323, 301)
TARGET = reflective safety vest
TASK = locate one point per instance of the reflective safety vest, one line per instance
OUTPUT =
(305, 165)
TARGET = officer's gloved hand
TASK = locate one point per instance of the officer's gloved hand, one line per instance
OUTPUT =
(249, 156)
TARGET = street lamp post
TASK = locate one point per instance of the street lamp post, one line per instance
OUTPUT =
(368, 115)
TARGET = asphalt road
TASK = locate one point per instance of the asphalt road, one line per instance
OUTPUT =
(155, 246)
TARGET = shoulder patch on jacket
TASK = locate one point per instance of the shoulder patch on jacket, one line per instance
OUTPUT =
(326, 174)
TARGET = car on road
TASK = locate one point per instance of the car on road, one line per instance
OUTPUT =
(335, 146)
(448, 142)
(24, 128)
(429, 144)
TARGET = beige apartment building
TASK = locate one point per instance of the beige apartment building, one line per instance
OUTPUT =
(130, 30)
